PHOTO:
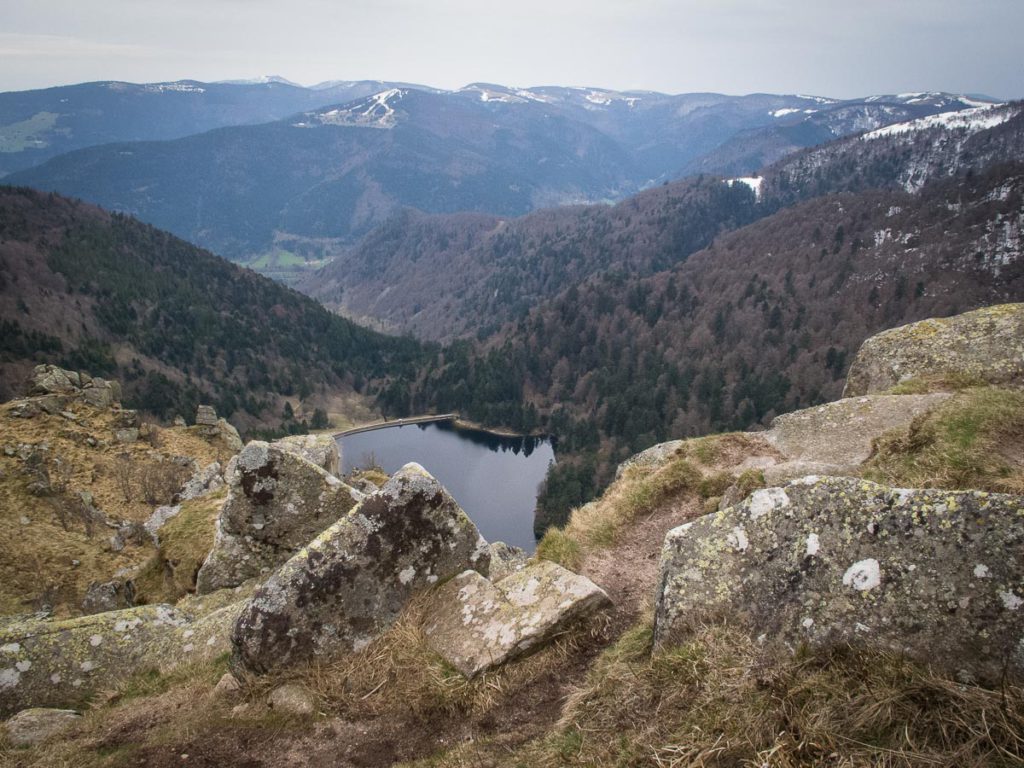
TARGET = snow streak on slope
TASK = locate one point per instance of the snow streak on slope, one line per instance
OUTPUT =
(969, 120)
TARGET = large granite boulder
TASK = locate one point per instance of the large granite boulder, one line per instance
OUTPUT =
(350, 583)
(935, 574)
(321, 450)
(477, 624)
(986, 345)
(277, 502)
(60, 663)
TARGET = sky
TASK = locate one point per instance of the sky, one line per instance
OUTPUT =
(840, 48)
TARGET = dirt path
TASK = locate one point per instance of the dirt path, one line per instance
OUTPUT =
(628, 572)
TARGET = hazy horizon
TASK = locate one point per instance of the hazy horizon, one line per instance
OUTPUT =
(728, 46)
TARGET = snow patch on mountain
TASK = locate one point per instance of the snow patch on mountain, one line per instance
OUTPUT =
(754, 182)
(968, 120)
(376, 111)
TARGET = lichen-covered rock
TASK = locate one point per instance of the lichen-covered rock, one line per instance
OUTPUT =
(321, 450)
(506, 560)
(656, 454)
(351, 582)
(100, 393)
(48, 663)
(277, 502)
(213, 428)
(476, 624)
(205, 480)
(986, 345)
(51, 380)
(836, 438)
(34, 726)
(932, 573)
(113, 595)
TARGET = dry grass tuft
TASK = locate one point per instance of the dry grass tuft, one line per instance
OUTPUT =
(975, 440)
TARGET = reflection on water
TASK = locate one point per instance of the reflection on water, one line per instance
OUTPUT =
(494, 478)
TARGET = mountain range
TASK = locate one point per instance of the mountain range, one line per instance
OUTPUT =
(303, 188)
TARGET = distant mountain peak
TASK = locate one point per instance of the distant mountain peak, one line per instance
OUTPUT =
(375, 111)
(264, 80)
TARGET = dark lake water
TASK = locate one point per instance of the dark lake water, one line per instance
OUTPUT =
(493, 478)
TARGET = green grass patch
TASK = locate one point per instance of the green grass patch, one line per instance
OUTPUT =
(975, 440)
(185, 541)
(558, 547)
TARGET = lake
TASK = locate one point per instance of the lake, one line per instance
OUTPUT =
(494, 479)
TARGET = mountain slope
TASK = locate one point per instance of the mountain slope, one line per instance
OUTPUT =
(39, 124)
(448, 277)
(760, 323)
(101, 292)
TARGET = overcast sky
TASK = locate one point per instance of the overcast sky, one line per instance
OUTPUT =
(828, 47)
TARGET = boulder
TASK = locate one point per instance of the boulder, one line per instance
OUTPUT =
(321, 450)
(227, 686)
(113, 595)
(350, 583)
(60, 663)
(983, 346)
(476, 624)
(228, 435)
(824, 561)
(51, 380)
(277, 502)
(506, 560)
(100, 393)
(127, 435)
(206, 416)
(34, 726)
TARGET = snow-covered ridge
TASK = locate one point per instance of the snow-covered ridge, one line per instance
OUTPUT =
(791, 111)
(969, 120)
(376, 111)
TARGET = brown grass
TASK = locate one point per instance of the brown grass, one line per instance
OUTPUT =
(37, 563)
(719, 701)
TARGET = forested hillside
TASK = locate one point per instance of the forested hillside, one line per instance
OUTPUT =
(101, 292)
(761, 322)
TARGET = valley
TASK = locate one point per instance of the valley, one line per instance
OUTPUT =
(370, 423)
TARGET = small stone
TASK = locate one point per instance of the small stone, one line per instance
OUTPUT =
(227, 686)
(24, 520)
(292, 699)
(34, 726)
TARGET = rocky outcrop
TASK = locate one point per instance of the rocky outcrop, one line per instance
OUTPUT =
(213, 428)
(935, 574)
(321, 450)
(51, 380)
(351, 582)
(984, 346)
(34, 726)
(48, 663)
(477, 624)
(836, 438)
(277, 502)
(206, 480)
